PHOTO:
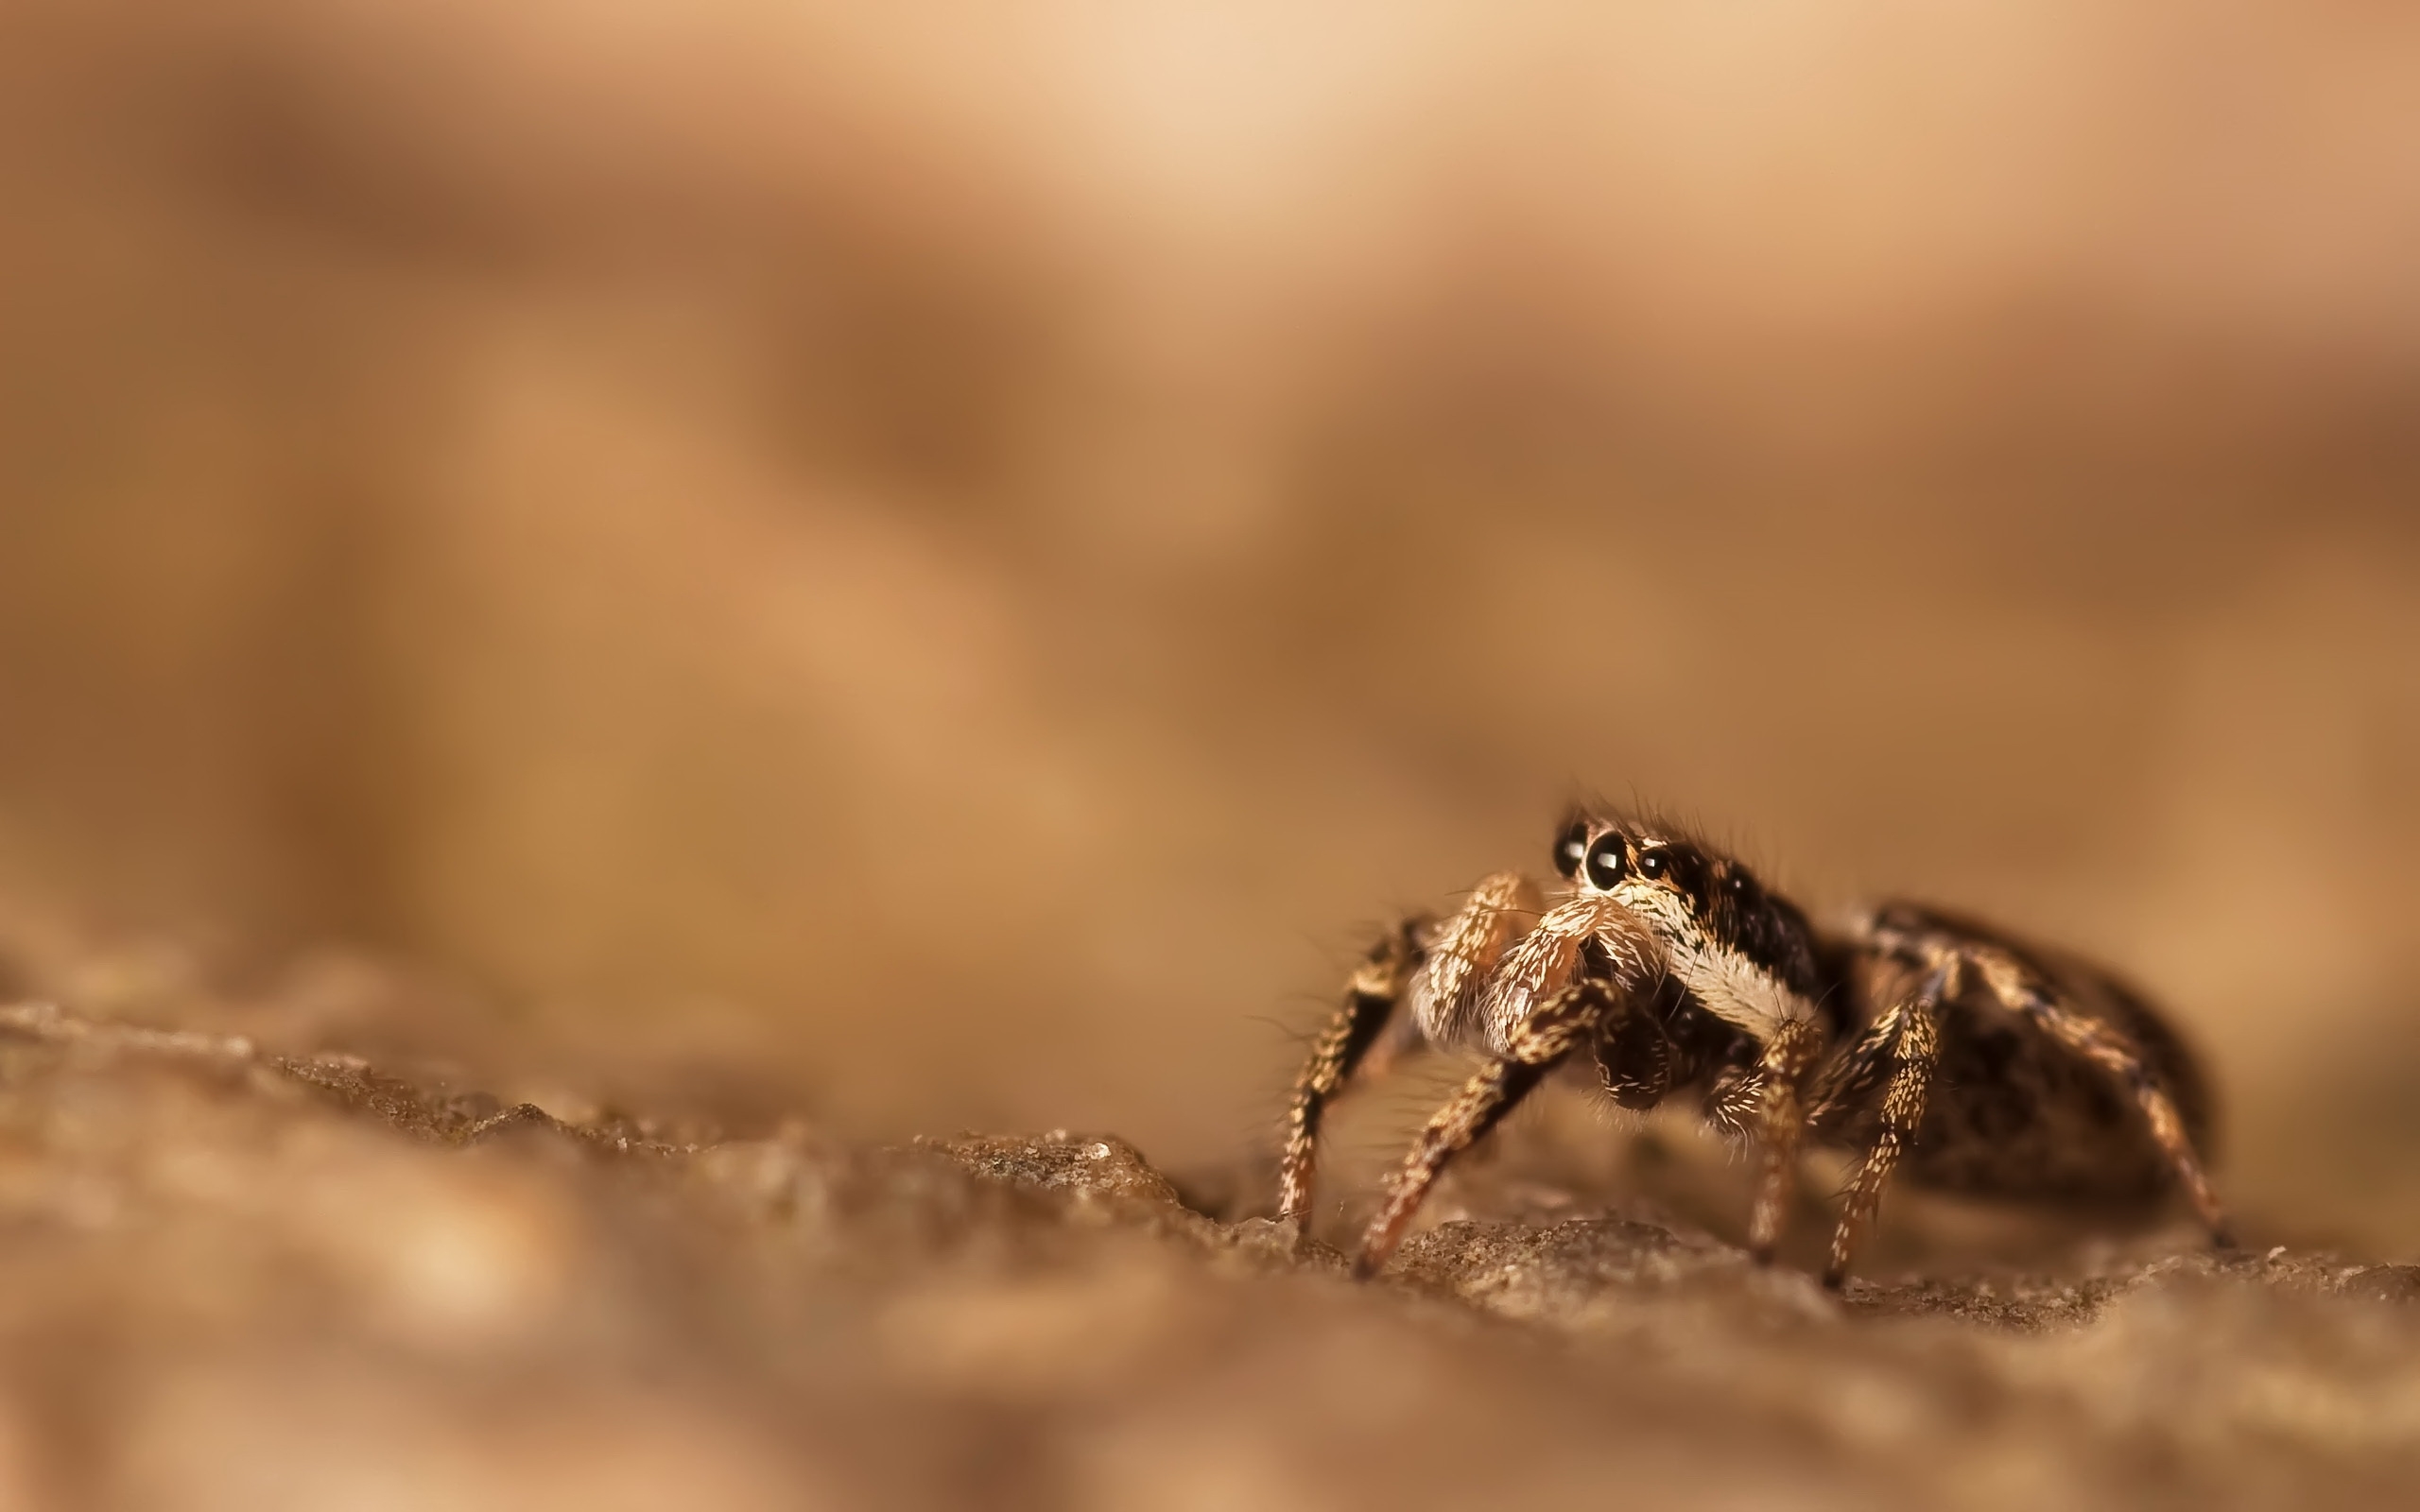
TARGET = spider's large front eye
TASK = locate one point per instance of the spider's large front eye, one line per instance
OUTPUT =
(1570, 847)
(1605, 862)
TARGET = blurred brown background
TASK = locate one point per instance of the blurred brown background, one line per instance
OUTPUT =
(942, 568)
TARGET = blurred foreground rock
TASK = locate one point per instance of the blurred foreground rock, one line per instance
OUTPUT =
(235, 1279)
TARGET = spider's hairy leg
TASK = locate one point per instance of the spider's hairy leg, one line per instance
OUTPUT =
(1551, 956)
(1463, 951)
(1779, 1118)
(1531, 1013)
(1560, 1024)
(1901, 1051)
(1370, 1000)
(2023, 991)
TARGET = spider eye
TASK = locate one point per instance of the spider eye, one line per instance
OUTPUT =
(1605, 861)
(1652, 864)
(1571, 847)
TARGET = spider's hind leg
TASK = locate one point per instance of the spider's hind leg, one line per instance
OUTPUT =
(2029, 993)
(2022, 1116)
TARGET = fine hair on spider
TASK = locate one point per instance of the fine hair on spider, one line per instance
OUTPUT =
(1926, 1043)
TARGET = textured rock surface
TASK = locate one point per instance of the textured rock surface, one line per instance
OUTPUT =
(238, 1278)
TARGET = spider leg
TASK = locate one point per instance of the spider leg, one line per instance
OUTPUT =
(1441, 970)
(1463, 953)
(1762, 1105)
(2023, 991)
(1370, 1000)
(1779, 1118)
(1901, 1051)
(1558, 1026)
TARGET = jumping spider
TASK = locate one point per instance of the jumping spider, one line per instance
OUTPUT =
(1923, 1040)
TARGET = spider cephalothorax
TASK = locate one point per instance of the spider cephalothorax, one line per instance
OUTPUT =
(1915, 1037)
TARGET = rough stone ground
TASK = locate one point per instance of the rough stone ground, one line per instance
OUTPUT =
(233, 1277)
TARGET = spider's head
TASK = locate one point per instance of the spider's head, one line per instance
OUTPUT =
(1677, 887)
(1653, 873)
(1700, 903)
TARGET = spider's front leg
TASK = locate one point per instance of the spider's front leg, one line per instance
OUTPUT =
(1370, 1000)
(1534, 1014)
(1439, 970)
(1561, 1024)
